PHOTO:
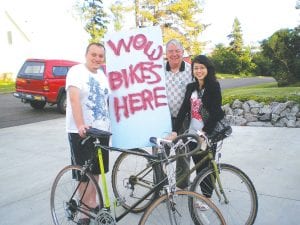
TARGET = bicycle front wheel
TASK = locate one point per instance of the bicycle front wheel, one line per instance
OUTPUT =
(238, 199)
(69, 201)
(132, 178)
(182, 208)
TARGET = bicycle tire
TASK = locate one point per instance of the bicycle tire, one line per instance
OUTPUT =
(171, 209)
(126, 171)
(64, 202)
(239, 190)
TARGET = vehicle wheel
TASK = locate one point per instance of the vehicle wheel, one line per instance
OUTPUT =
(67, 203)
(62, 104)
(37, 104)
(240, 206)
(182, 208)
(132, 178)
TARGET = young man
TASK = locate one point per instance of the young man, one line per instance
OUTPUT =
(87, 106)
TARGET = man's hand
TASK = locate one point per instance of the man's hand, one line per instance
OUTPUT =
(172, 136)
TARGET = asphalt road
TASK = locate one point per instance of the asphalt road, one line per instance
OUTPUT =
(13, 112)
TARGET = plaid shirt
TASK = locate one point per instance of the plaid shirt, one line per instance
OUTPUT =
(176, 86)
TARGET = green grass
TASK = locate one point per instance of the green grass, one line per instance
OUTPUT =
(226, 76)
(7, 87)
(262, 93)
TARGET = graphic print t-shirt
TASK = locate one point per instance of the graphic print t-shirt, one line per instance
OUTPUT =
(94, 92)
(196, 119)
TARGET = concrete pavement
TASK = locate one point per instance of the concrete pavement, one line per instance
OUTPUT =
(31, 155)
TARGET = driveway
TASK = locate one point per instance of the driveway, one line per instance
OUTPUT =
(13, 112)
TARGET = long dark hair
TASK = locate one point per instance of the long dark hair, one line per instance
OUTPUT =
(211, 73)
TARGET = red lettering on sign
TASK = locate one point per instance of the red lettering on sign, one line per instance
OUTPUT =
(143, 72)
(137, 42)
(142, 101)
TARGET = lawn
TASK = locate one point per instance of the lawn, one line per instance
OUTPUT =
(7, 87)
(262, 93)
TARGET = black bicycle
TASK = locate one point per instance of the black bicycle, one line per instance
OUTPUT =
(227, 186)
(71, 187)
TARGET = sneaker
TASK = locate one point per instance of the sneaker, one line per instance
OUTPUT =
(84, 221)
(201, 206)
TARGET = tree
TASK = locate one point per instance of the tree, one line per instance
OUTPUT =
(236, 37)
(225, 60)
(283, 50)
(94, 17)
(235, 59)
(118, 10)
(176, 18)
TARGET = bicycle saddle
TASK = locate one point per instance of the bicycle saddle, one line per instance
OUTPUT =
(96, 133)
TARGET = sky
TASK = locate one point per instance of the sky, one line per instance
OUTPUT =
(259, 19)
(52, 26)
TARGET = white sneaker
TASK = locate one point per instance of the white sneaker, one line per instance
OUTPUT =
(201, 206)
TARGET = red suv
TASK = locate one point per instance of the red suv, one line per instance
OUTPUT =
(42, 81)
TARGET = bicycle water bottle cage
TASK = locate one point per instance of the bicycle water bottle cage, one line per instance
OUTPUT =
(96, 133)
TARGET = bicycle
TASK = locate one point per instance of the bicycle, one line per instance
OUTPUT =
(68, 195)
(227, 186)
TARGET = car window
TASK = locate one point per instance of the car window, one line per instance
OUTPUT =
(34, 70)
(60, 70)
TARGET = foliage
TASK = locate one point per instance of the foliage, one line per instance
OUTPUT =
(263, 64)
(283, 51)
(235, 59)
(94, 17)
(7, 87)
(176, 18)
(118, 10)
(266, 93)
(236, 37)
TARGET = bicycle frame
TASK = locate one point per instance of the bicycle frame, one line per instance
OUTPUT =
(208, 156)
(107, 204)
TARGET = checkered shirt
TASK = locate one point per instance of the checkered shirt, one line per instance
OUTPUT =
(176, 86)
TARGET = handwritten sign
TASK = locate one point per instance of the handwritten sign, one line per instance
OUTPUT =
(138, 103)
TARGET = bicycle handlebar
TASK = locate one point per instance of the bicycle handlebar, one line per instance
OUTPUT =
(162, 141)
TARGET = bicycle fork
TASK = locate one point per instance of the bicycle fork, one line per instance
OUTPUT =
(217, 174)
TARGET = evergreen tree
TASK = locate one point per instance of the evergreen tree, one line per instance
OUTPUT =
(236, 37)
(94, 17)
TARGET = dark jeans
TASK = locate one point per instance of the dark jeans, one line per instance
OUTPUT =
(207, 184)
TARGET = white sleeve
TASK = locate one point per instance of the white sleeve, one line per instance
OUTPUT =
(74, 77)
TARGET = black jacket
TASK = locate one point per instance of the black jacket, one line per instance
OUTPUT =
(212, 101)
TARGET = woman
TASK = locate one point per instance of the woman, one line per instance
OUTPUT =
(202, 102)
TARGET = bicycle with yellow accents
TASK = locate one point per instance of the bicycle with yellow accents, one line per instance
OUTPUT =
(68, 205)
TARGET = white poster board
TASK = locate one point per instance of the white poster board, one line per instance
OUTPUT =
(138, 104)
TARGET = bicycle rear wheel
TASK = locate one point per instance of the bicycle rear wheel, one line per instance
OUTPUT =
(132, 178)
(66, 203)
(182, 208)
(241, 204)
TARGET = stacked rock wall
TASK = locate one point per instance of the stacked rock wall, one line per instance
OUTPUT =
(252, 113)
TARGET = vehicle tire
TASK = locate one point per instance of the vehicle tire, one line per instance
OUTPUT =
(182, 208)
(37, 104)
(132, 178)
(65, 201)
(242, 205)
(62, 104)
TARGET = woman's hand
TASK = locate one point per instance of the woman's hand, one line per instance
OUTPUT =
(172, 136)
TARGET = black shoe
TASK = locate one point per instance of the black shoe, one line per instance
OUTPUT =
(84, 221)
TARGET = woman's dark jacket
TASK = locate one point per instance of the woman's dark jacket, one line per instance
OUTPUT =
(212, 101)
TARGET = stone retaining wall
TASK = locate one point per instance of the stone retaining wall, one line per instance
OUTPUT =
(252, 113)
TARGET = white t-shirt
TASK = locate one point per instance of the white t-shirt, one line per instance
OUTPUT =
(94, 93)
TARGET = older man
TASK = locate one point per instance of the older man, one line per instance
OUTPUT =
(178, 75)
